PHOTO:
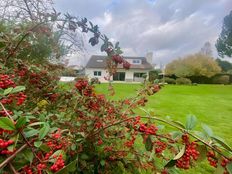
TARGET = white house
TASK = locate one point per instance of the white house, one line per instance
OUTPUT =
(96, 67)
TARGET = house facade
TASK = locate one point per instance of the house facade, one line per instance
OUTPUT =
(140, 66)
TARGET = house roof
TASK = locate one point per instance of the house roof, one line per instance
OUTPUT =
(97, 61)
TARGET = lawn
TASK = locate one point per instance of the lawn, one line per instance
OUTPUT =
(211, 104)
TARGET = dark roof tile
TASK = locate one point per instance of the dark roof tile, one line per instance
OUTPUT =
(97, 61)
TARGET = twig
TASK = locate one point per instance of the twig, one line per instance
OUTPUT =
(189, 133)
(10, 158)
(21, 133)
(12, 168)
(7, 113)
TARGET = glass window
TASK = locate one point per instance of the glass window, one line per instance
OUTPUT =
(136, 61)
(97, 73)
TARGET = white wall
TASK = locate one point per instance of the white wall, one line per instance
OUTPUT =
(89, 72)
(129, 74)
(67, 79)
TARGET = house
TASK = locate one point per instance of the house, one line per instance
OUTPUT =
(140, 66)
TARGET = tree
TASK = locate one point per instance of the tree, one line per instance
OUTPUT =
(193, 65)
(225, 65)
(206, 49)
(224, 42)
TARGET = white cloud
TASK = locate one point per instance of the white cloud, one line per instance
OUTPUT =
(168, 28)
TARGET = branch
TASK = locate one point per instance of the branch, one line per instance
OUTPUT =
(10, 158)
(189, 133)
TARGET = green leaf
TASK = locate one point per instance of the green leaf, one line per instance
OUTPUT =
(207, 130)
(44, 131)
(18, 89)
(84, 156)
(57, 153)
(148, 144)
(104, 47)
(219, 169)
(44, 148)
(7, 91)
(31, 133)
(222, 143)
(21, 122)
(71, 167)
(13, 146)
(180, 154)
(179, 124)
(6, 123)
(191, 122)
(102, 162)
(171, 163)
(37, 143)
(203, 151)
(229, 167)
(28, 155)
(36, 124)
(176, 134)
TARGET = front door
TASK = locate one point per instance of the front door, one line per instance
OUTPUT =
(119, 76)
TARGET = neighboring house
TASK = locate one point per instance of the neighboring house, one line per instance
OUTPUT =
(140, 66)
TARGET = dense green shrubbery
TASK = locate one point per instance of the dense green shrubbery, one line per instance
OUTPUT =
(183, 81)
(222, 79)
(169, 80)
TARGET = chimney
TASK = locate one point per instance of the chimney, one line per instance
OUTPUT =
(149, 57)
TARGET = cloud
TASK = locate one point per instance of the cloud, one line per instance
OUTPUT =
(168, 28)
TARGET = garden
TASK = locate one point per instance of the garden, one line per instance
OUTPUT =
(50, 127)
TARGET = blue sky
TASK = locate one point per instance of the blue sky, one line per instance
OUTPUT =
(168, 28)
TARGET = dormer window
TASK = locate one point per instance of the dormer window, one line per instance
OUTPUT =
(99, 60)
(136, 61)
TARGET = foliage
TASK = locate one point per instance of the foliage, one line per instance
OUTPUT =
(225, 65)
(183, 81)
(169, 80)
(223, 79)
(224, 42)
(47, 130)
(153, 75)
(206, 49)
(193, 65)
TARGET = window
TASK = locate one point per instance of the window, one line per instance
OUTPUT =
(140, 75)
(136, 61)
(97, 73)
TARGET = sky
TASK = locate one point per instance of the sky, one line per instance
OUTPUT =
(168, 28)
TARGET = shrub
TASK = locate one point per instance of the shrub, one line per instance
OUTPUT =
(183, 81)
(223, 79)
(169, 80)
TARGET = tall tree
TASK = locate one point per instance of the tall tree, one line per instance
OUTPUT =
(193, 65)
(224, 42)
(225, 65)
(206, 49)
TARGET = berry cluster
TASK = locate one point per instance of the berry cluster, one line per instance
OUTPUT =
(160, 146)
(6, 81)
(41, 167)
(59, 164)
(211, 156)
(148, 130)
(21, 97)
(190, 153)
(131, 142)
(27, 170)
(3, 145)
(81, 84)
(117, 59)
(126, 65)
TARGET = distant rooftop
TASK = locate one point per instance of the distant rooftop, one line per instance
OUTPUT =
(97, 61)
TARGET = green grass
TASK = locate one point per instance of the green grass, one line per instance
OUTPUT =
(211, 104)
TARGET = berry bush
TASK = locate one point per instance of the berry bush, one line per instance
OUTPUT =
(46, 130)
